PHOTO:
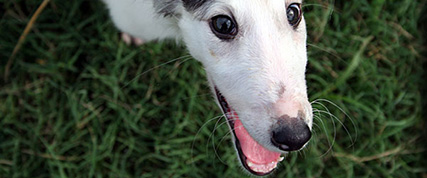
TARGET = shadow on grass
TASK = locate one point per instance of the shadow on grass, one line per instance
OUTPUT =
(423, 86)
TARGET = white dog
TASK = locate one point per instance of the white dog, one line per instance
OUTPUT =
(254, 52)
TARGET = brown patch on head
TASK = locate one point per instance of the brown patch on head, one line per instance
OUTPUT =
(212, 53)
(281, 90)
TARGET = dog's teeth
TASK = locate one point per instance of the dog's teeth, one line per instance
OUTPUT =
(250, 164)
(280, 159)
(272, 165)
(261, 168)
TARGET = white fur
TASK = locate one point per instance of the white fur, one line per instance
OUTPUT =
(266, 56)
(138, 18)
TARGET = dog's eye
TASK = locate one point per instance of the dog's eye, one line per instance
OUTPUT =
(294, 14)
(223, 27)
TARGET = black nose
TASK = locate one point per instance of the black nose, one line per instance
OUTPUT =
(290, 134)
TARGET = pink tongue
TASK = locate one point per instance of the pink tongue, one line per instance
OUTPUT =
(251, 149)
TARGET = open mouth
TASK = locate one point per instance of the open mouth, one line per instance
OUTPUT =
(254, 157)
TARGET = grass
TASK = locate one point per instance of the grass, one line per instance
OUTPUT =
(78, 102)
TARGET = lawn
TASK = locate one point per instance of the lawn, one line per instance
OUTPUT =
(75, 101)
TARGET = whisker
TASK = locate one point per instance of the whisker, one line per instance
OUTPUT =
(225, 136)
(314, 135)
(198, 132)
(213, 140)
(348, 116)
(334, 126)
(323, 124)
(212, 133)
(324, 50)
(345, 128)
(185, 58)
(336, 118)
(213, 136)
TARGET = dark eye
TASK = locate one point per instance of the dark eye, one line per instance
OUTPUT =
(223, 27)
(294, 14)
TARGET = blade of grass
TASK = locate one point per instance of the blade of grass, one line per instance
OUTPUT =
(23, 36)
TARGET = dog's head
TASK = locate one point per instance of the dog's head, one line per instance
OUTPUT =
(254, 52)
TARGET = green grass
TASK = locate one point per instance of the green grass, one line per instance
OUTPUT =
(80, 103)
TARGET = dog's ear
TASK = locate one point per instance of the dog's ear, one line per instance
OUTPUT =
(169, 7)
(166, 8)
(192, 5)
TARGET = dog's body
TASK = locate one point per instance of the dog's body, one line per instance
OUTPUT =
(254, 52)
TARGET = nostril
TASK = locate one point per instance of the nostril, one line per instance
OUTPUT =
(291, 136)
(279, 142)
